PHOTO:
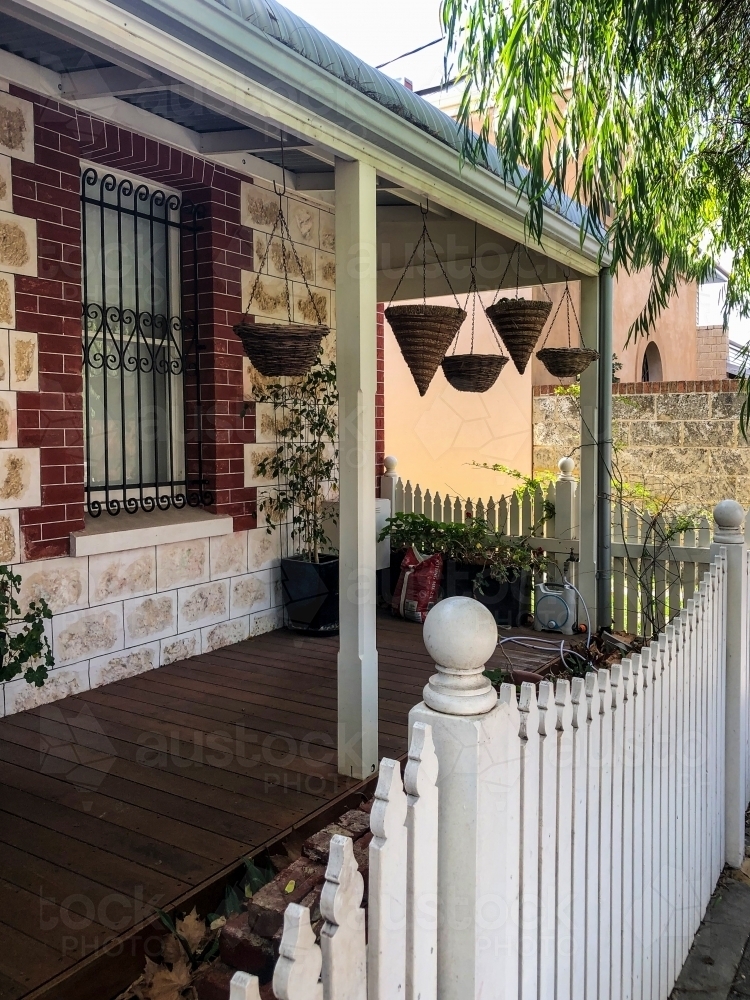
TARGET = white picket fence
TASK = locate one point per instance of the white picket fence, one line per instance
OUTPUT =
(551, 844)
(656, 568)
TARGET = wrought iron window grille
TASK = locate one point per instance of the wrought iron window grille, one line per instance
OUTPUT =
(141, 347)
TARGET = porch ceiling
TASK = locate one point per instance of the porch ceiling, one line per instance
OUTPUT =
(124, 87)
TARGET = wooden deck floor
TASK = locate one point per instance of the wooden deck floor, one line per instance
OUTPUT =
(149, 792)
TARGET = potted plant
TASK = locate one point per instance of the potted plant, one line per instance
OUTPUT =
(305, 467)
(479, 562)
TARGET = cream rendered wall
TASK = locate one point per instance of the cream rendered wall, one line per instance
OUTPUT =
(436, 437)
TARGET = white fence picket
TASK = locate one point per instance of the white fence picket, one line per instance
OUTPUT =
(528, 888)
(297, 972)
(342, 938)
(386, 945)
(244, 987)
(420, 779)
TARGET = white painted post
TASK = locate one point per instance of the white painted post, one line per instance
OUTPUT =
(566, 513)
(729, 521)
(588, 489)
(388, 480)
(356, 356)
(468, 730)
(342, 939)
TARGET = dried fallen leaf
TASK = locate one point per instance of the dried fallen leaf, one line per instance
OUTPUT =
(216, 924)
(162, 983)
(290, 886)
(192, 928)
(171, 949)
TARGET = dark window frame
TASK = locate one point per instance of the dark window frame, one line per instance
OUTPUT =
(141, 346)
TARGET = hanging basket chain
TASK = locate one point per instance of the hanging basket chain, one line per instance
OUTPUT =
(424, 238)
(567, 298)
(281, 225)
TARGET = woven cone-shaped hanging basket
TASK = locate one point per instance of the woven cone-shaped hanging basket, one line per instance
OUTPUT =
(519, 323)
(566, 362)
(281, 349)
(473, 372)
(424, 333)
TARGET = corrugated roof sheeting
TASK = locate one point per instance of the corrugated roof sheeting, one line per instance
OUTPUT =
(275, 20)
(279, 23)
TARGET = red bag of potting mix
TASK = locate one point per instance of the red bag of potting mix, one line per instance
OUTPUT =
(418, 585)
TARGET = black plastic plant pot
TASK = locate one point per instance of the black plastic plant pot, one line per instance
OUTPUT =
(311, 594)
(509, 600)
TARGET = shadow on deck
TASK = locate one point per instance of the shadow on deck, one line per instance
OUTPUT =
(150, 791)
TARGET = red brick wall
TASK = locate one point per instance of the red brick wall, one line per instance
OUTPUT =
(52, 419)
(50, 305)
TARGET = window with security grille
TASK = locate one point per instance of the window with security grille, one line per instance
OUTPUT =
(140, 347)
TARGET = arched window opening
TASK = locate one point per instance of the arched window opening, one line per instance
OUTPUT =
(651, 370)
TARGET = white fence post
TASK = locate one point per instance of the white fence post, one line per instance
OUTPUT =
(388, 480)
(729, 518)
(474, 919)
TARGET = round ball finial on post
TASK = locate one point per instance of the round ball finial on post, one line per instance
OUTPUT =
(729, 521)
(461, 635)
(390, 464)
(566, 466)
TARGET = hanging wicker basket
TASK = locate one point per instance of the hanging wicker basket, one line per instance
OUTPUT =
(281, 349)
(519, 322)
(566, 362)
(424, 333)
(473, 372)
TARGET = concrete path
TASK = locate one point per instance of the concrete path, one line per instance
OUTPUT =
(718, 966)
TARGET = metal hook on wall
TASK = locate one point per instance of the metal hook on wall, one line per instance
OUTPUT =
(280, 193)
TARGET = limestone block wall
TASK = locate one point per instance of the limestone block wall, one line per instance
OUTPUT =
(20, 485)
(120, 614)
(679, 439)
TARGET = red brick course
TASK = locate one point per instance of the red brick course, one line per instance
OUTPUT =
(657, 388)
(50, 305)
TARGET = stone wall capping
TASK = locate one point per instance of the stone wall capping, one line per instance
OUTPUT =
(134, 531)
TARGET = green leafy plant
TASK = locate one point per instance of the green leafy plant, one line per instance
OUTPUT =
(472, 543)
(305, 460)
(24, 647)
(574, 390)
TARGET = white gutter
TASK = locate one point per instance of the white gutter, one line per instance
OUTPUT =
(411, 157)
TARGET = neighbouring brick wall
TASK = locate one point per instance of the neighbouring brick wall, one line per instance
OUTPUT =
(679, 439)
(712, 344)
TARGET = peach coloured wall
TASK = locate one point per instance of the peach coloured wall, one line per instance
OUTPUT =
(435, 437)
(675, 333)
